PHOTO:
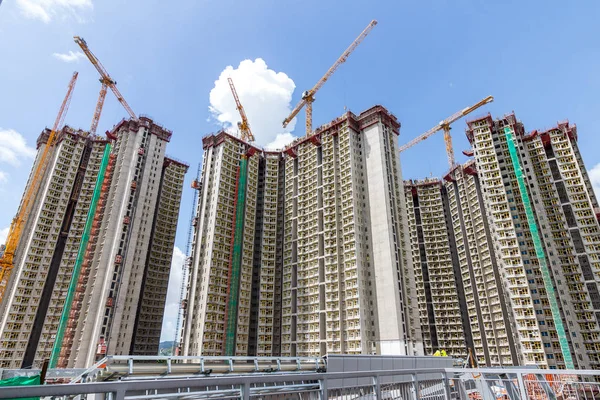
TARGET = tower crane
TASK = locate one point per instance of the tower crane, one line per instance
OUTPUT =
(18, 222)
(308, 97)
(243, 126)
(445, 126)
(107, 82)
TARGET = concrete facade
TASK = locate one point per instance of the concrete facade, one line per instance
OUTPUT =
(34, 298)
(127, 260)
(329, 266)
(126, 264)
(565, 209)
(478, 263)
(487, 313)
(439, 294)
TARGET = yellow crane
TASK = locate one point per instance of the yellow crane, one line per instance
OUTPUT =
(308, 97)
(445, 126)
(107, 82)
(18, 223)
(243, 126)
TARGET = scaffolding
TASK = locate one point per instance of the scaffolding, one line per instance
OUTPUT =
(539, 251)
(79, 260)
(73, 285)
(197, 185)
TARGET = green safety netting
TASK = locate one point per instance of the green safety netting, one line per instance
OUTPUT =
(232, 306)
(21, 381)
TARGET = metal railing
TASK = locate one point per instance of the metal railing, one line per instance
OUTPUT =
(391, 384)
(523, 383)
(404, 384)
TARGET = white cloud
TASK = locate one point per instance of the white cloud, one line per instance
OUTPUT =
(69, 57)
(3, 177)
(281, 140)
(3, 235)
(46, 10)
(13, 147)
(173, 293)
(266, 96)
(594, 174)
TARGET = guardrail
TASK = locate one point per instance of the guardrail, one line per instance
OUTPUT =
(404, 384)
(414, 384)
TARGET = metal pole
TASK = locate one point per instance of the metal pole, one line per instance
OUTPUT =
(324, 391)
(415, 383)
(246, 391)
(377, 387)
(446, 381)
(521, 386)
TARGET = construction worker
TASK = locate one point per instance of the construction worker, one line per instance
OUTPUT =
(440, 353)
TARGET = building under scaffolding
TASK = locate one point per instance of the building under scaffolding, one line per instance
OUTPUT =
(112, 264)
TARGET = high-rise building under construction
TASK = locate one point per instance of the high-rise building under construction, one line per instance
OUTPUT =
(123, 271)
(507, 245)
(543, 213)
(436, 284)
(460, 289)
(303, 251)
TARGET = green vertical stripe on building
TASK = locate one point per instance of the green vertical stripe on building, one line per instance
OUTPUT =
(539, 252)
(236, 263)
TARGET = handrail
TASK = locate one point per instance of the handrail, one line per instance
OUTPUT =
(120, 388)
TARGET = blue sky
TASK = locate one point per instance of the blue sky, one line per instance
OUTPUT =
(424, 61)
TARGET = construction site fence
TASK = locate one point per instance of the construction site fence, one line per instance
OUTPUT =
(428, 383)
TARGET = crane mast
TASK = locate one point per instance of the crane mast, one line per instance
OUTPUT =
(445, 126)
(107, 82)
(18, 222)
(243, 126)
(308, 97)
